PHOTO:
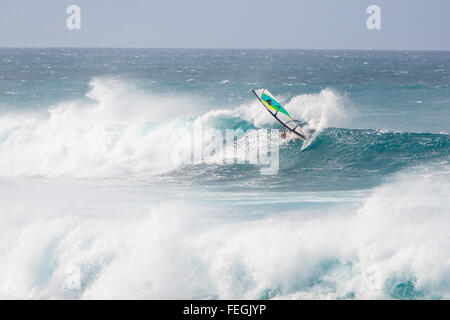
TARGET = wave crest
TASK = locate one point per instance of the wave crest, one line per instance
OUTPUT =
(120, 131)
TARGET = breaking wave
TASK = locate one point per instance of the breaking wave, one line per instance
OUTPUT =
(394, 244)
(119, 131)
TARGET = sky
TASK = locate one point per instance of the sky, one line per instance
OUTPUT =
(280, 24)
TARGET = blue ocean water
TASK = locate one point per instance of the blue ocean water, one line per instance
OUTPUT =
(93, 206)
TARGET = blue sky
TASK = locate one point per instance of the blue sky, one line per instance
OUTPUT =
(318, 24)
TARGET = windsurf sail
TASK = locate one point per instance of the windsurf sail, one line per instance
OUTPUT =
(279, 112)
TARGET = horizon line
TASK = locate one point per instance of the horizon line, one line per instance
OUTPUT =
(210, 48)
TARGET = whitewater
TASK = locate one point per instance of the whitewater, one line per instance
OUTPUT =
(93, 206)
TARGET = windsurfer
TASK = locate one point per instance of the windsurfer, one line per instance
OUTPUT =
(283, 134)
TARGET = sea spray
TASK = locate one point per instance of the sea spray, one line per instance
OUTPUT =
(370, 249)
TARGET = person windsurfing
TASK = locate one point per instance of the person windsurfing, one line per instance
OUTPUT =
(283, 134)
(294, 127)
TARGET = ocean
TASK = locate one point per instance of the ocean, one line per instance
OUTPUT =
(93, 205)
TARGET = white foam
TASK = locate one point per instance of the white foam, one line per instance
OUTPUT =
(122, 132)
(176, 249)
(320, 110)
(119, 132)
